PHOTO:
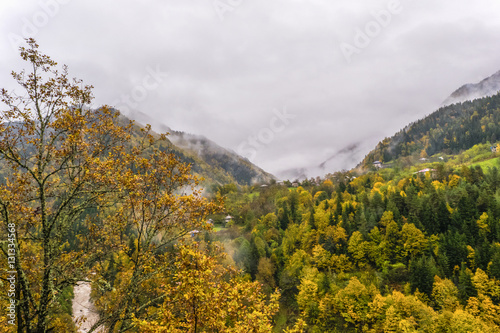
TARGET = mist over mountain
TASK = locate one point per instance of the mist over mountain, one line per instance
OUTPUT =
(342, 159)
(470, 91)
(449, 130)
(210, 160)
(435, 133)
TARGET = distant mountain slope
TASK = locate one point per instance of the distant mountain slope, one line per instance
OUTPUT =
(468, 92)
(209, 160)
(448, 130)
(242, 170)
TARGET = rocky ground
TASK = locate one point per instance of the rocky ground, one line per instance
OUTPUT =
(84, 313)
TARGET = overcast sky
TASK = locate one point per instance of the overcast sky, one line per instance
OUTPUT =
(286, 83)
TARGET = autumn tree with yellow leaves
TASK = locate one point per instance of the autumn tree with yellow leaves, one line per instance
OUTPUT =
(58, 160)
(87, 197)
(204, 295)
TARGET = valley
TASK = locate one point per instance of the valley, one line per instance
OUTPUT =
(109, 220)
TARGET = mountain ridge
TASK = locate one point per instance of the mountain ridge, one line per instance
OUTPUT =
(469, 116)
(449, 130)
(470, 91)
(204, 154)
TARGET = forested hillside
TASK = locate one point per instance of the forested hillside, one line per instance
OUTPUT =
(468, 92)
(208, 160)
(88, 197)
(447, 131)
(388, 251)
(218, 158)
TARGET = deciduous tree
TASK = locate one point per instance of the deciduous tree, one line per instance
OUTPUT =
(59, 160)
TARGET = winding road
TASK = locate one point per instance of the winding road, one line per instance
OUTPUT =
(84, 313)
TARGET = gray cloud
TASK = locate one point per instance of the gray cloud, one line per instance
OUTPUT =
(225, 77)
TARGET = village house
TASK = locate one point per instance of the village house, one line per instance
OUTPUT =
(227, 219)
(432, 172)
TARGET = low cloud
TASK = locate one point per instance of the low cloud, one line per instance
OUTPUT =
(225, 76)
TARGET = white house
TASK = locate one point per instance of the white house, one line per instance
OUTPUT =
(425, 170)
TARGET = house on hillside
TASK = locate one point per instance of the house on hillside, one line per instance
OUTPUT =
(227, 219)
(424, 171)
(494, 149)
(377, 164)
(194, 233)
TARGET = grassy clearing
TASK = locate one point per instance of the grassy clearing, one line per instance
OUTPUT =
(493, 162)
(218, 228)
(253, 195)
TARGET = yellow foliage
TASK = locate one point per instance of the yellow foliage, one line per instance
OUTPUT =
(318, 194)
(464, 322)
(454, 180)
(328, 182)
(482, 224)
(359, 249)
(445, 294)
(93, 174)
(340, 263)
(352, 302)
(307, 298)
(402, 183)
(321, 257)
(438, 185)
(201, 298)
(485, 285)
(387, 217)
(471, 255)
(299, 327)
(414, 240)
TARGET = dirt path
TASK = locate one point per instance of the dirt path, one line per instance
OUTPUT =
(82, 307)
